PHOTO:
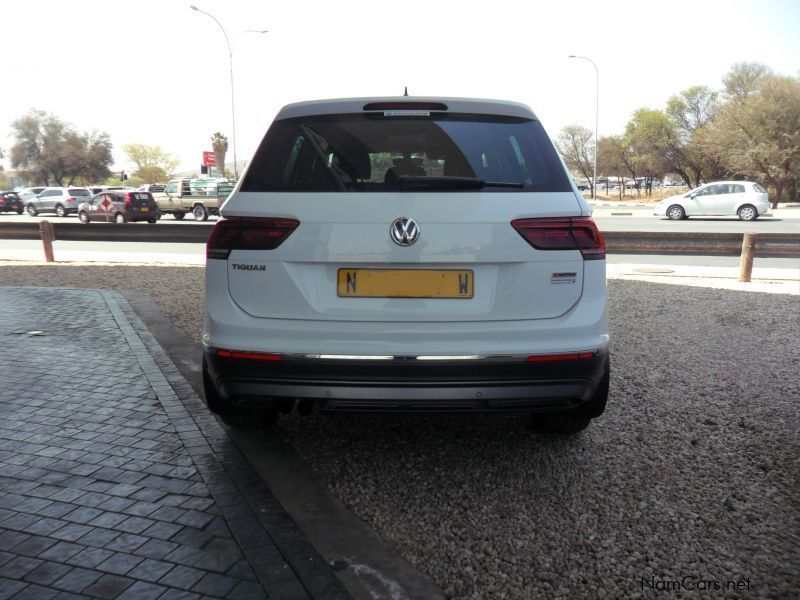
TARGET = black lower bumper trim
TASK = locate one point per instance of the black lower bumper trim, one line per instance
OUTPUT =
(452, 386)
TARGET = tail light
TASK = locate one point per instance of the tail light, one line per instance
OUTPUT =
(567, 233)
(127, 200)
(245, 233)
(249, 355)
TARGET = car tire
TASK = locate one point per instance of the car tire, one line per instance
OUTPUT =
(60, 211)
(83, 217)
(120, 218)
(152, 221)
(32, 210)
(178, 216)
(676, 212)
(748, 212)
(200, 213)
(20, 210)
(573, 421)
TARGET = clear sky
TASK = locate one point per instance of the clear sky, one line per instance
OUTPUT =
(156, 72)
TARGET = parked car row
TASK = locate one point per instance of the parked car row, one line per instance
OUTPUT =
(200, 197)
(117, 205)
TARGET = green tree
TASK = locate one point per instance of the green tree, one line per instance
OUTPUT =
(50, 152)
(744, 78)
(153, 165)
(609, 159)
(757, 134)
(576, 146)
(691, 112)
(219, 143)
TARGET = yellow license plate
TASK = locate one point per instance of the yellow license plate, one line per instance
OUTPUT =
(404, 283)
(145, 209)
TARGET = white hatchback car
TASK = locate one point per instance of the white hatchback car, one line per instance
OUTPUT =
(746, 199)
(406, 255)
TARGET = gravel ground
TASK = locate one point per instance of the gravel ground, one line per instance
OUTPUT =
(690, 478)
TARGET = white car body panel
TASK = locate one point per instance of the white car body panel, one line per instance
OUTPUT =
(465, 231)
(584, 326)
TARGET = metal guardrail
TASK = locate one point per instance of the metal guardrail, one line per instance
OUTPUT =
(768, 245)
(169, 233)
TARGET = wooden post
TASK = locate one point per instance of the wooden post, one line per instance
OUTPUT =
(48, 235)
(746, 262)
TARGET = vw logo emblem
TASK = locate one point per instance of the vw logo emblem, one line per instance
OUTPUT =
(404, 231)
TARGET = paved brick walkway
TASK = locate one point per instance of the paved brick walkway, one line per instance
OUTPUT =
(115, 481)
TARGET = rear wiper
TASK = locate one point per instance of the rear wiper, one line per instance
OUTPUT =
(421, 182)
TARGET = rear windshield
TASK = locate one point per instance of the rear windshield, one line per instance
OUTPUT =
(10, 195)
(447, 152)
(759, 188)
(79, 192)
(144, 196)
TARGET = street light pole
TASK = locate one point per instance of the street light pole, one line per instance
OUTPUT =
(233, 103)
(596, 117)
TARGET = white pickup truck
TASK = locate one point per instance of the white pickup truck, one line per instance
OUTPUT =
(201, 197)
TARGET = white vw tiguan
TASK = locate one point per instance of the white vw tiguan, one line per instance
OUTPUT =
(406, 255)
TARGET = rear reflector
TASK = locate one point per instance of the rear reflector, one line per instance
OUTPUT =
(556, 357)
(245, 233)
(248, 355)
(567, 233)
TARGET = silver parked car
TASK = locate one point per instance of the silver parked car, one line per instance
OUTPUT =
(746, 199)
(60, 200)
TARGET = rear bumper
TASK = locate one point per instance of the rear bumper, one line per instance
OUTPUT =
(135, 217)
(409, 384)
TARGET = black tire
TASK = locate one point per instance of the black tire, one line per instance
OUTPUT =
(152, 221)
(120, 218)
(200, 213)
(20, 210)
(747, 212)
(573, 421)
(83, 217)
(178, 215)
(60, 211)
(676, 212)
(32, 210)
